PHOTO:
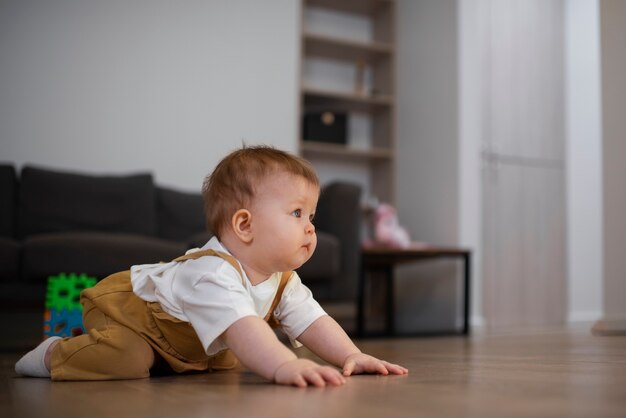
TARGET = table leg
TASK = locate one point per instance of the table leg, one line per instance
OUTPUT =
(390, 320)
(360, 314)
(466, 306)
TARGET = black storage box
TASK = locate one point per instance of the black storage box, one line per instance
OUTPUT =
(325, 127)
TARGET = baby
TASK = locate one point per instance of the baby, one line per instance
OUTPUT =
(216, 305)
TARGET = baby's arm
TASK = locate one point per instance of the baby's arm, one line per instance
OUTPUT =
(257, 347)
(329, 341)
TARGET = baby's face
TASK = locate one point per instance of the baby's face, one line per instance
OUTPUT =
(282, 213)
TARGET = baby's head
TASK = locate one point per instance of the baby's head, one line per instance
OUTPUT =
(233, 183)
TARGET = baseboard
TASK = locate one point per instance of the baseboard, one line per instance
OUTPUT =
(610, 325)
(583, 317)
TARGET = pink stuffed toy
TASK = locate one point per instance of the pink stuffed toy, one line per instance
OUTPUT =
(387, 229)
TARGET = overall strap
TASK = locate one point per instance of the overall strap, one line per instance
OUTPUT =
(284, 278)
(270, 318)
(227, 257)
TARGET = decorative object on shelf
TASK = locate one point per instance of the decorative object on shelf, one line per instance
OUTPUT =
(325, 126)
(387, 229)
(63, 315)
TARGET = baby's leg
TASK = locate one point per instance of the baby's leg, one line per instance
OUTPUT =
(108, 351)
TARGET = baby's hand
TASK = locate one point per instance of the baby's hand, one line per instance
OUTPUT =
(302, 372)
(363, 363)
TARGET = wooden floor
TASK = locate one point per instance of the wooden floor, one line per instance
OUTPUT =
(541, 374)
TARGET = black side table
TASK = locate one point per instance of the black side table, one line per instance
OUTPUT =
(385, 259)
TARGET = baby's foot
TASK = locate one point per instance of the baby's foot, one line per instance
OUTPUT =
(33, 363)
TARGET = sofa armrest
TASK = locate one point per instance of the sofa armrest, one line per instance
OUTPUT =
(8, 200)
(180, 216)
(339, 213)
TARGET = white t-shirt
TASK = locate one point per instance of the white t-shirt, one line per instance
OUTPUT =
(210, 294)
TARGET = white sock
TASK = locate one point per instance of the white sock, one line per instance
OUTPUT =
(32, 363)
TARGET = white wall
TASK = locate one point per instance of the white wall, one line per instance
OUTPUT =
(428, 150)
(169, 87)
(584, 160)
(470, 136)
(613, 53)
(427, 180)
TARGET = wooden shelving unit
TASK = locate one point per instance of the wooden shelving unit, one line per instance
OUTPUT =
(343, 151)
(341, 49)
(373, 101)
(314, 97)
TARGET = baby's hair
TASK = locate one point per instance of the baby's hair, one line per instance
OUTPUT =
(231, 185)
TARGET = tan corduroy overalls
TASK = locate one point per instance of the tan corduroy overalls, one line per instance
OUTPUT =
(127, 337)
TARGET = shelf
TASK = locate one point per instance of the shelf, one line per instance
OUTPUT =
(345, 101)
(345, 151)
(363, 7)
(348, 54)
(344, 50)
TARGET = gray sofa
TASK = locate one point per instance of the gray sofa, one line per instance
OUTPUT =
(55, 222)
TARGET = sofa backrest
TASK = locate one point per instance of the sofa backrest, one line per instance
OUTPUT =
(180, 215)
(8, 196)
(55, 201)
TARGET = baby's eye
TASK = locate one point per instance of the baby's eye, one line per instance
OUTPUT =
(297, 213)
(311, 217)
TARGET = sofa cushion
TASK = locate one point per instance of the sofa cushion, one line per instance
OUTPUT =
(179, 215)
(53, 201)
(95, 254)
(8, 196)
(9, 259)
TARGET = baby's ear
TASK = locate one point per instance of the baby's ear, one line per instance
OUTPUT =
(241, 224)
